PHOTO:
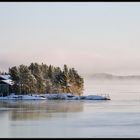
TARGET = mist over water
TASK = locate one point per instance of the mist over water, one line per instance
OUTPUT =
(117, 89)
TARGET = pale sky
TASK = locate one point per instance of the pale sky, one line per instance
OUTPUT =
(92, 37)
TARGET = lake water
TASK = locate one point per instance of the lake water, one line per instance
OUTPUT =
(115, 118)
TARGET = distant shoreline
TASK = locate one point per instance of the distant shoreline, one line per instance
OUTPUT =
(108, 76)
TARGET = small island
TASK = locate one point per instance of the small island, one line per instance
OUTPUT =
(40, 81)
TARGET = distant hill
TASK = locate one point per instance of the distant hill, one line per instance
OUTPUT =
(114, 77)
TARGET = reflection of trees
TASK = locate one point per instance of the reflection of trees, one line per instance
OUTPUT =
(22, 110)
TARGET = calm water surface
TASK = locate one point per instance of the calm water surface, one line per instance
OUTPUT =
(119, 117)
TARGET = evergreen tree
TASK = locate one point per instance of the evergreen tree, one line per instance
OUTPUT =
(38, 74)
(44, 69)
(50, 72)
(15, 76)
(43, 78)
(26, 79)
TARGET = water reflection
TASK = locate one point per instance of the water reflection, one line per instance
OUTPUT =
(36, 110)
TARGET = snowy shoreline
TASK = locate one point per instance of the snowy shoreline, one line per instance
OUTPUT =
(60, 96)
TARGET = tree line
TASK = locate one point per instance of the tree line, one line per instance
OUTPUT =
(41, 78)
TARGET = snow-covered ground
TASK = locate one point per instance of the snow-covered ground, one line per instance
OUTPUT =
(22, 97)
(61, 96)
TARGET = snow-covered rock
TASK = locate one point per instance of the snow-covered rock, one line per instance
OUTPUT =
(56, 96)
(95, 97)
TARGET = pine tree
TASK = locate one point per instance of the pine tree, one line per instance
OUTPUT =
(25, 77)
(38, 74)
(44, 69)
(15, 76)
(43, 78)
(50, 72)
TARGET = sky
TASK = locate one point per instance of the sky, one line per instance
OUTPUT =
(92, 37)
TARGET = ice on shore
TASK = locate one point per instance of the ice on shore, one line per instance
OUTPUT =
(23, 97)
(56, 96)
